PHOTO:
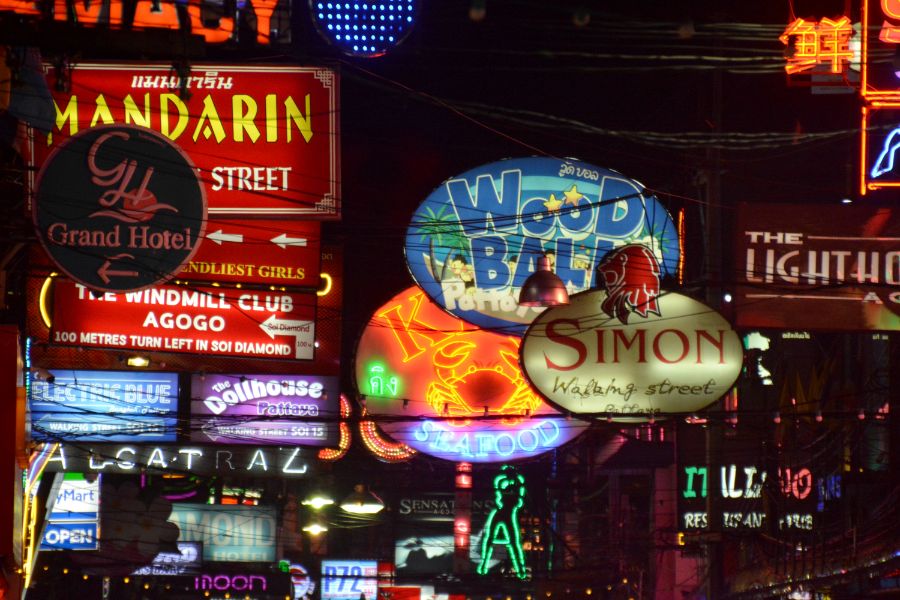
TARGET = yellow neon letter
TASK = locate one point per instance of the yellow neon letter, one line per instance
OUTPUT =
(292, 113)
(182, 111)
(214, 126)
(243, 109)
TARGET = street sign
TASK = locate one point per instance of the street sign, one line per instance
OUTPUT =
(265, 409)
(104, 406)
(831, 268)
(72, 522)
(264, 138)
(283, 252)
(194, 319)
(349, 579)
(70, 536)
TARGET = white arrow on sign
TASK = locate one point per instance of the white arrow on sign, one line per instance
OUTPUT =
(215, 428)
(211, 429)
(220, 236)
(303, 348)
(284, 240)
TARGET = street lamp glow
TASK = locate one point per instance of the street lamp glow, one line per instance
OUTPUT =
(362, 502)
(317, 501)
(315, 528)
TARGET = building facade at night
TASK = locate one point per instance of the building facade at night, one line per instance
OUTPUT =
(261, 282)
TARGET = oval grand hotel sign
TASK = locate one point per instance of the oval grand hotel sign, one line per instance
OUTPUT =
(119, 208)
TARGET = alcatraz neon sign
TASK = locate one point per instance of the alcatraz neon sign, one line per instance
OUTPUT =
(283, 462)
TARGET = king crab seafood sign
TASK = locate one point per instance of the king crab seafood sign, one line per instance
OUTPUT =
(631, 352)
(119, 208)
(450, 389)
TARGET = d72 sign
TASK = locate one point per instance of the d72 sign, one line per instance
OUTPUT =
(191, 319)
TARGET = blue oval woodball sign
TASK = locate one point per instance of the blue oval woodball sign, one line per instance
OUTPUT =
(474, 240)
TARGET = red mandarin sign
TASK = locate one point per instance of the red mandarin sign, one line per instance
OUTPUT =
(285, 252)
(263, 138)
(197, 320)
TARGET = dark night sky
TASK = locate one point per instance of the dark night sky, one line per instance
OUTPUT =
(526, 81)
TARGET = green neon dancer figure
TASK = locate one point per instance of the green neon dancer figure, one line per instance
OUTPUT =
(502, 526)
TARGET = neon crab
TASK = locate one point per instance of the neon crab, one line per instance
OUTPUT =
(465, 387)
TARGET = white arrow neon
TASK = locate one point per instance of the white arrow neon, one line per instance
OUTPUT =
(211, 429)
(220, 236)
(302, 331)
(283, 241)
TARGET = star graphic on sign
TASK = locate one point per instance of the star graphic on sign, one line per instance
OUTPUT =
(573, 196)
(553, 203)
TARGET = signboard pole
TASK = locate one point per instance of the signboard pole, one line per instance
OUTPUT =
(713, 509)
(462, 519)
(714, 298)
(10, 446)
(44, 499)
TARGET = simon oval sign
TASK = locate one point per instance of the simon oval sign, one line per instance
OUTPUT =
(451, 390)
(119, 208)
(680, 357)
(474, 240)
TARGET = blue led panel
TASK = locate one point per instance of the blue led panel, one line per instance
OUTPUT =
(366, 29)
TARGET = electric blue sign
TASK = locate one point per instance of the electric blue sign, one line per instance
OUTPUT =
(475, 239)
(104, 406)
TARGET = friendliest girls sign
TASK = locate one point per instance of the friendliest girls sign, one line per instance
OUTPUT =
(475, 239)
(460, 388)
(631, 352)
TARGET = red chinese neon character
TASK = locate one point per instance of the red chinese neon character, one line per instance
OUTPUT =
(890, 33)
(827, 41)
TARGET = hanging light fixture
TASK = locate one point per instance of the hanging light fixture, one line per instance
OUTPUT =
(543, 287)
(317, 499)
(362, 501)
(315, 528)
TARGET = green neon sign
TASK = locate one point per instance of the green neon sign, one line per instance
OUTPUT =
(690, 490)
(502, 525)
(381, 383)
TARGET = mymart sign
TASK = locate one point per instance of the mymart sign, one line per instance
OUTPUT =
(72, 522)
